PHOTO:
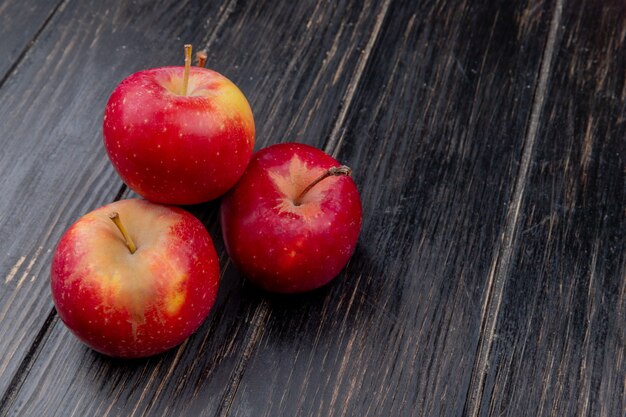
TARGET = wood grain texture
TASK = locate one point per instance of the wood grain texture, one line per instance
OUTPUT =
(561, 333)
(486, 137)
(53, 163)
(319, 46)
(21, 23)
(501, 262)
(435, 136)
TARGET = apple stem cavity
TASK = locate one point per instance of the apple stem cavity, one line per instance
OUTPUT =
(129, 241)
(331, 172)
(201, 57)
(187, 69)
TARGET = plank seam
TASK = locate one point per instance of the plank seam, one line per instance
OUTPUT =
(27, 364)
(503, 257)
(121, 192)
(33, 352)
(332, 146)
(30, 44)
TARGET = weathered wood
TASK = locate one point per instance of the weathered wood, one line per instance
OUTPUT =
(21, 23)
(501, 261)
(298, 64)
(560, 335)
(435, 135)
(487, 140)
(53, 163)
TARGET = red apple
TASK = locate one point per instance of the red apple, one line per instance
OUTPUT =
(176, 148)
(284, 237)
(134, 304)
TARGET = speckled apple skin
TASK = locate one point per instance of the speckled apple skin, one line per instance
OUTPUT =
(175, 149)
(282, 247)
(134, 305)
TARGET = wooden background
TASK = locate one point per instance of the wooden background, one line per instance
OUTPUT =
(488, 140)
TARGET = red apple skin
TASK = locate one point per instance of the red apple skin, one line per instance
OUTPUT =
(282, 247)
(134, 305)
(175, 149)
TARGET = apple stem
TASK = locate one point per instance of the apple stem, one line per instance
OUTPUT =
(201, 57)
(187, 69)
(129, 241)
(334, 171)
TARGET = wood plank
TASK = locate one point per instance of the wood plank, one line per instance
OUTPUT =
(297, 64)
(501, 262)
(435, 135)
(53, 163)
(21, 23)
(559, 339)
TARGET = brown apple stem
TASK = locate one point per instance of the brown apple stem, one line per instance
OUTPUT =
(129, 241)
(201, 57)
(334, 171)
(187, 69)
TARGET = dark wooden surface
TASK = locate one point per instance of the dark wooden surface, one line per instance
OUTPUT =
(488, 140)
